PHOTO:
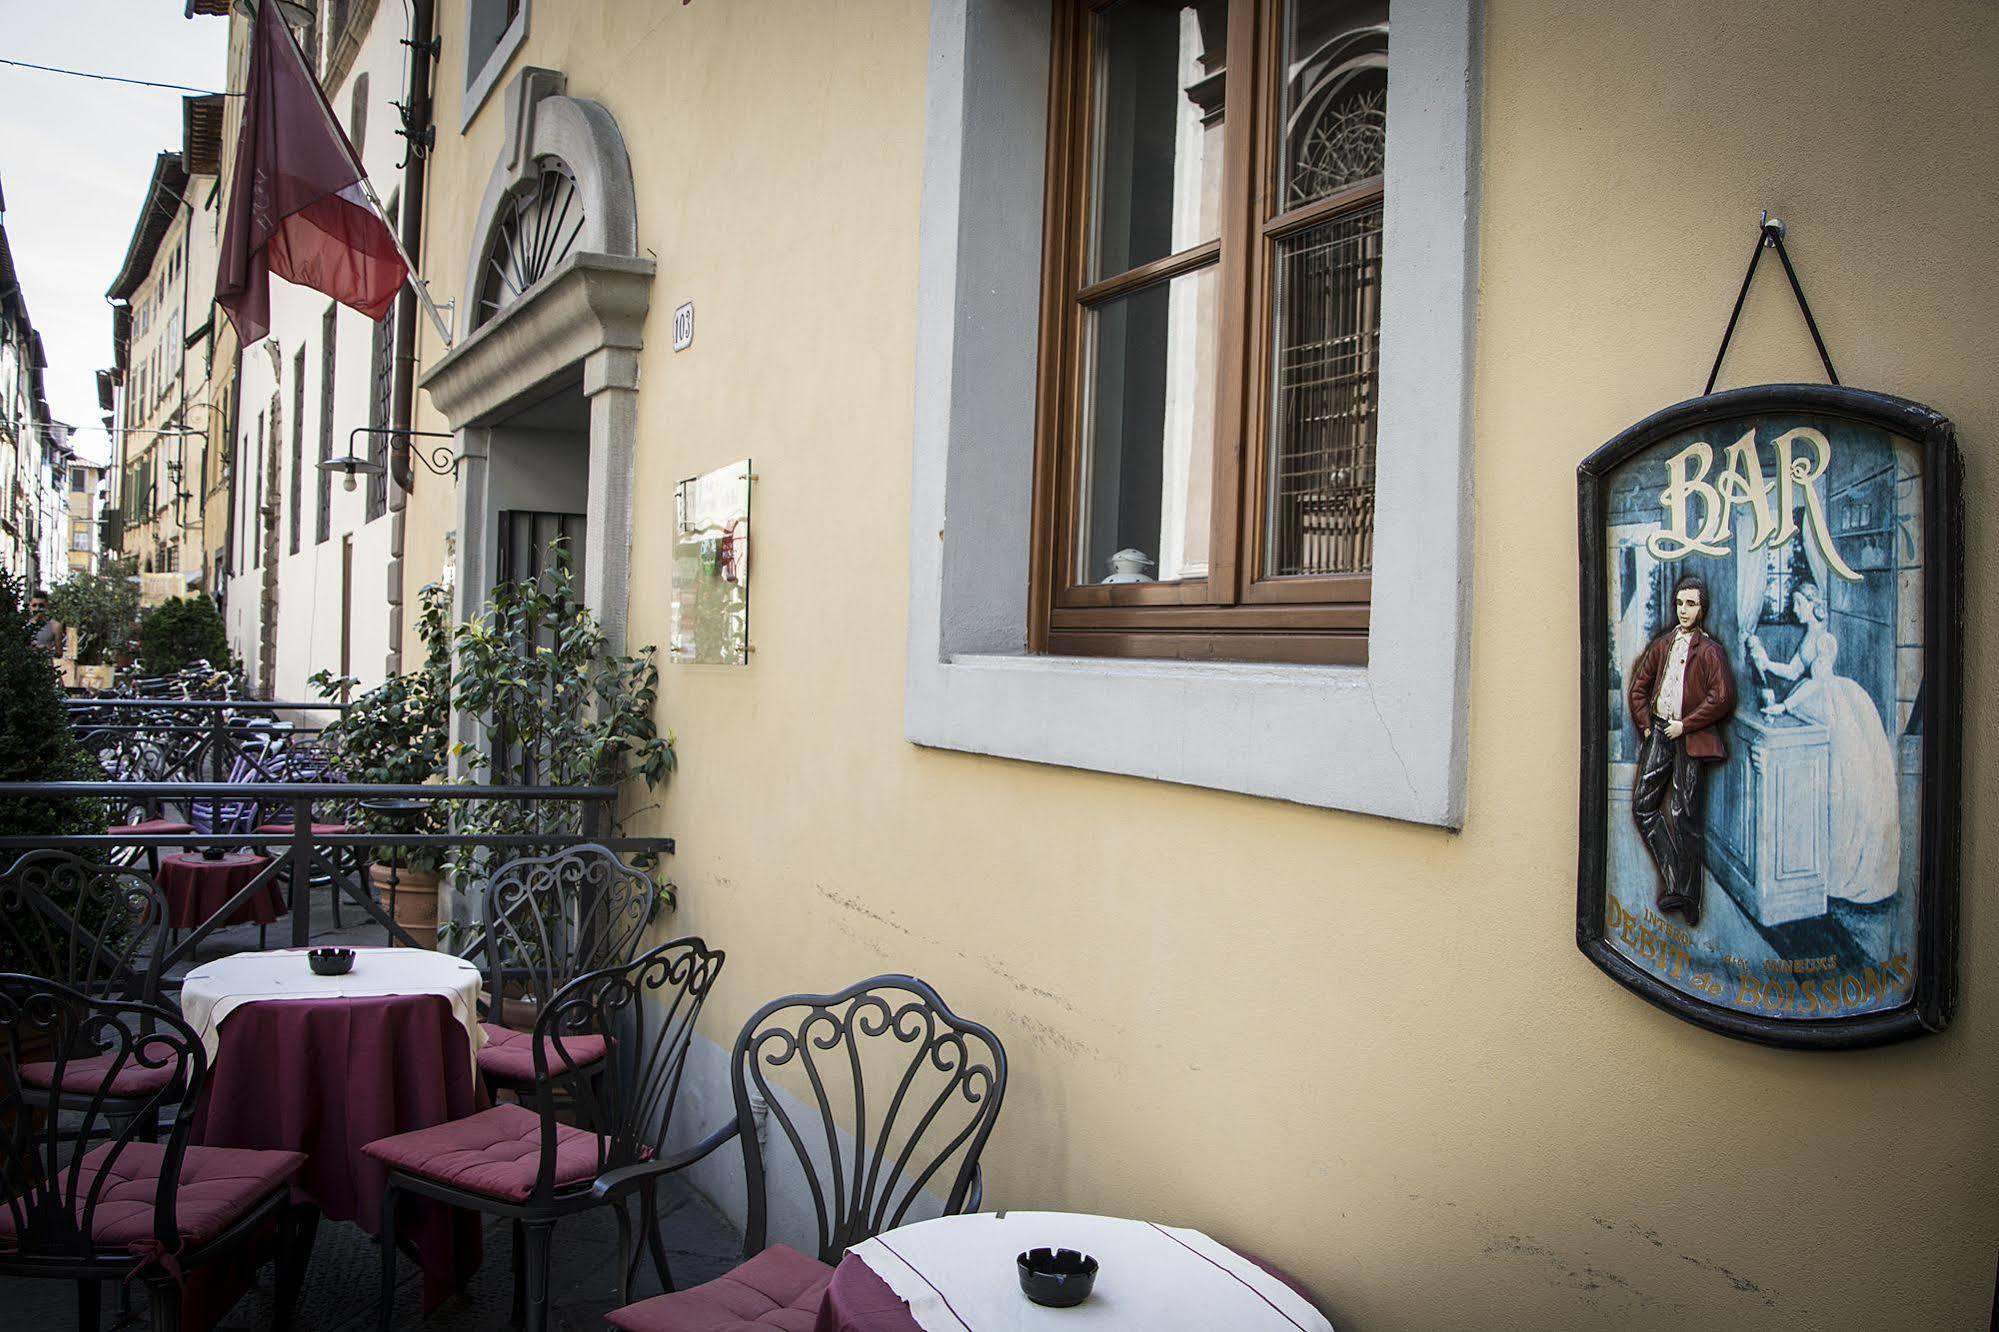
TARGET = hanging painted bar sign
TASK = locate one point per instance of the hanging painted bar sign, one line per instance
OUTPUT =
(1771, 713)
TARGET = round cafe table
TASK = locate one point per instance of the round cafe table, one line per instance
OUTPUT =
(196, 888)
(327, 1064)
(957, 1274)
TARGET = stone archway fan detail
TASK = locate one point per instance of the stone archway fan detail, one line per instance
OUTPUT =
(537, 232)
(1345, 144)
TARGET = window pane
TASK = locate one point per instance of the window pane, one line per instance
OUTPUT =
(1158, 137)
(1149, 434)
(1326, 338)
(1335, 97)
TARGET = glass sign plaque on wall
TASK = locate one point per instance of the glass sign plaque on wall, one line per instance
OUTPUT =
(711, 568)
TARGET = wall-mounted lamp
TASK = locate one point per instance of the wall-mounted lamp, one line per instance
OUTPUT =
(349, 466)
(439, 461)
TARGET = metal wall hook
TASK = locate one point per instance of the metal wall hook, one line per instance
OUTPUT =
(1770, 232)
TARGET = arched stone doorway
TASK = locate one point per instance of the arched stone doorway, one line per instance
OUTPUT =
(545, 384)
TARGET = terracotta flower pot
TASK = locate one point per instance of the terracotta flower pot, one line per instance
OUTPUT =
(414, 903)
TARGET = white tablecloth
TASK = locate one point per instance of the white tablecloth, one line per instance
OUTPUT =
(214, 990)
(958, 1275)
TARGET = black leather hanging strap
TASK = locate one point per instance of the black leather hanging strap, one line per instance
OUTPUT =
(1770, 235)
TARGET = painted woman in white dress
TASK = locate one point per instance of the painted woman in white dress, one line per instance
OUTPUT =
(1866, 808)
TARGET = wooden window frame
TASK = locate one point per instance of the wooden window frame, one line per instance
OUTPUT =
(1236, 612)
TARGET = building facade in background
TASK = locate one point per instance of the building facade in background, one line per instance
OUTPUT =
(163, 355)
(83, 538)
(307, 558)
(34, 447)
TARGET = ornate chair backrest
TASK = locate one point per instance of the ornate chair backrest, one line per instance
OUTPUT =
(549, 919)
(645, 1011)
(58, 1167)
(889, 1042)
(99, 928)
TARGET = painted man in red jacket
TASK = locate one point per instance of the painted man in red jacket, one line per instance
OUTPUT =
(1681, 691)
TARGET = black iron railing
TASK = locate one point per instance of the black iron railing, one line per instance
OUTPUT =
(198, 740)
(299, 855)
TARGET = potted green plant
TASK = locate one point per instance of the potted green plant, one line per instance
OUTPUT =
(554, 707)
(103, 609)
(396, 734)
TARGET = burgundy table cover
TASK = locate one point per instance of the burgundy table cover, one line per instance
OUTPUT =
(196, 889)
(859, 1301)
(327, 1076)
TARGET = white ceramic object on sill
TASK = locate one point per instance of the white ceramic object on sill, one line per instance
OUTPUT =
(1128, 566)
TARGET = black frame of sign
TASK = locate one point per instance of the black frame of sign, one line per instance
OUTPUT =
(1938, 716)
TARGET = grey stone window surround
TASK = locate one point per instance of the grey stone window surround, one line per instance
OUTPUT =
(480, 82)
(1385, 739)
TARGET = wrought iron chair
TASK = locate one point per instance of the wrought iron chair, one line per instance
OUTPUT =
(545, 920)
(110, 938)
(103, 931)
(86, 1199)
(646, 1010)
(948, 1076)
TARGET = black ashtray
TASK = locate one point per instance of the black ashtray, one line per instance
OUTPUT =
(213, 853)
(331, 961)
(1057, 1278)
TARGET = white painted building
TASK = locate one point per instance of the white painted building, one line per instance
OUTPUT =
(307, 558)
(34, 451)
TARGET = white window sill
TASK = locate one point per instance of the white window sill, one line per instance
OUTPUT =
(1316, 735)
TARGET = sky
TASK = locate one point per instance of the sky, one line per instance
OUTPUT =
(76, 156)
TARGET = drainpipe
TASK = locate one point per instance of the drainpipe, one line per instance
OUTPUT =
(402, 401)
(180, 391)
(228, 572)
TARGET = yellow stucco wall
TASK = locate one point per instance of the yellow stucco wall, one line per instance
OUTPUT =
(1370, 1051)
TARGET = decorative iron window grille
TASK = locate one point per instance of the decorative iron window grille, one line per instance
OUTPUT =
(537, 229)
(1326, 397)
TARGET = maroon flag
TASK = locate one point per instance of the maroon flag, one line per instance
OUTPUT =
(297, 207)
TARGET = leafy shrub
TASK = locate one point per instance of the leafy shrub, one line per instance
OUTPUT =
(36, 743)
(178, 632)
(395, 734)
(555, 706)
(102, 607)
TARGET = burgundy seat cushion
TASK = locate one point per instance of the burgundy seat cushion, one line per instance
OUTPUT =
(495, 1152)
(509, 1054)
(85, 1076)
(160, 826)
(218, 1185)
(780, 1288)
